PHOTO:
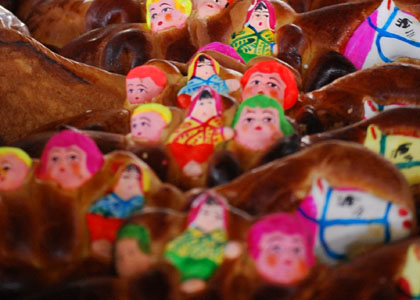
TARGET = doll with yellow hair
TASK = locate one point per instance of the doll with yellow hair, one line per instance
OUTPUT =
(148, 121)
(165, 14)
(14, 167)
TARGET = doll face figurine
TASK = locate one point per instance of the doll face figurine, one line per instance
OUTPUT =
(14, 167)
(204, 108)
(363, 218)
(259, 122)
(207, 8)
(129, 184)
(144, 83)
(204, 67)
(70, 158)
(272, 79)
(132, 251)
(260, 17)
(402, 150)
(165, 14)
(148, 121)
(282, 248)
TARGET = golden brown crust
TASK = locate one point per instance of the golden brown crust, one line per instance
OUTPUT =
(41, 87)
(282, 184)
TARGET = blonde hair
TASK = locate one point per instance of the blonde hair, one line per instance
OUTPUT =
(19, 153)
(184, 6)
(160, 109)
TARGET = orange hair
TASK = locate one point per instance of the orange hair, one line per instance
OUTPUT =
(271, 66)
(156, 74)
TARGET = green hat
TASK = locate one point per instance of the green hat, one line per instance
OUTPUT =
(137, 232)
(263, 101)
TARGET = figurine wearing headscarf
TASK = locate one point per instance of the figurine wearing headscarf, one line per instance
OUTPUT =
(194, 140)
(257, 36)
(204, 70)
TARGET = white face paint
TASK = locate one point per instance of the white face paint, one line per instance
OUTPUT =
(371, 108)
(350, 218)
(388, 34)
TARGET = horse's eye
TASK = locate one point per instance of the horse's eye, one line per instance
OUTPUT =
(348, 201)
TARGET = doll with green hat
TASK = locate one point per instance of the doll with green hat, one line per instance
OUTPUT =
(132, 250)
(259, 122)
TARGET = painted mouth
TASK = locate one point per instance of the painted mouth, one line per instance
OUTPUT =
(160, 23)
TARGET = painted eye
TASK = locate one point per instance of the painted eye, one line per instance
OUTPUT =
(249, 120)
(73, 157)
(272, 85)
(256, 82)
(348, 201)
(6, 168)
(296, 250)
(276, 248)
(131, 91)
(54, 158)
(266, 16)
(144, 124)
(166, 9)
(134, 125)
(267, 119)
(402, 149)
(141, 90)
(154, 15)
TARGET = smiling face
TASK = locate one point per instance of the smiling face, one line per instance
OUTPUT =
(141, 90)
(13, 172)
(258, 128)
(207, 8)
(129, 259)
(282, 258)
(67, 166)
(270, 85)
(164, 15)
(260, 18)
(147, 126)
(210, 217)
(128, 184)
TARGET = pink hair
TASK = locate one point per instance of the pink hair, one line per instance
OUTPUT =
(224, 49)
(287, 224)
(67, 138)
(200, 200)
(271, 12)
(213, 93)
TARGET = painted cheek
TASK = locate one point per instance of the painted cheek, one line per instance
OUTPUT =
(245, 128)
(76, 168)
(274, 94)
(168, 17)
(271, 260)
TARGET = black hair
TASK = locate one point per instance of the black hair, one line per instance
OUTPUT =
(133, 167)
(211, 201)
(261, 6)
(202, 58)
(205, 95)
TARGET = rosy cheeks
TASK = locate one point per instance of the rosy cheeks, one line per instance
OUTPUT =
(76, 168)
(168, 17)
(271, 259)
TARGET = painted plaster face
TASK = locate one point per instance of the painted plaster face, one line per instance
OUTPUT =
(207, 8)
(258, 128)
(141, 90)
(260, 19)
(401, 150)
(204, 109)
(204, 69)
(360, 217)
(13, 172)
(164, 15)
(282, 258)
(128, 185)
(371, 108)
(129, 259)
(269, 84)
(67, 166)
(388, 34)
(147, 126)
(210, 218)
